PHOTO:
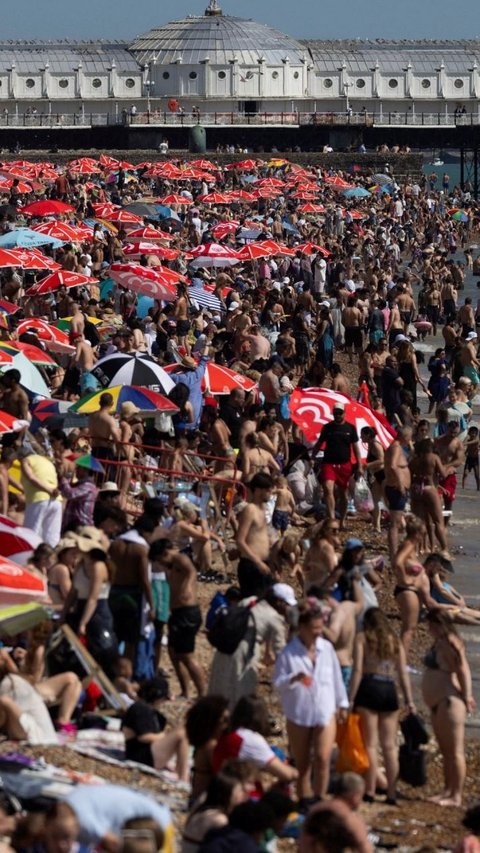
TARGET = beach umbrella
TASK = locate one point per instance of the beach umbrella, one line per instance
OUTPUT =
(55, 339)
(8, 423)
(252, 252)
(204, 299)
(151, 249)
(213, 255)
(17, 542)
(245, 165)
(312, 249)
(33, 353)
(6, 358)
(270, 183)
(459, 216)
(105, 208)
(47, 207)
(124, 216)
(224, 228)
(143, 398)
(337, 183)
(356, 192)
(30, 377)
(132, 369)
(145, 280)
(220, 380)
(61, 230)
(61, 278)
(142, 209)
(311, 207)
(19, 618)
(275, 248)
(175, 198)
(19, 585)
(27, 259)
(214, 198)
(55, 414)
(8, 308)
(206, 165)
(312, 408)
(242, 196)
(148, 232)
(6, 184)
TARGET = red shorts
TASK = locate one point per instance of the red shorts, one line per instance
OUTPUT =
(340, 474)
(448, 487)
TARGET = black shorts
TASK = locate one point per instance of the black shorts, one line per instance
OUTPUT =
(471, 462)
(183, 327)
(377, 693)
(183, 626)
(406, 317)
(353, 337)
(126, 604)
(395, 499)
(250, 579)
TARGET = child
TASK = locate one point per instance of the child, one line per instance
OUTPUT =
(284, 505)
(472, 447)
(124, 679)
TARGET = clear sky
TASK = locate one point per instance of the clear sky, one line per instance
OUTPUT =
(122, 19)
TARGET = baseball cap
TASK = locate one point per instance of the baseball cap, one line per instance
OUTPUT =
(110, 487)
(352, 544)
(284, 592)
(338, 407)
(233, 306)
(401, 338)
(471, 336)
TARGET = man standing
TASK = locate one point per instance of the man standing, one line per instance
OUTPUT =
(254, 575)
(391, 384)
(185, 615)
(339, 438)
(231, 411)
(43, 504)
(352, 319)
(452, 454)
(269, 384)
(13, 399)
(81, 497)
(103, 429)
(397, 484)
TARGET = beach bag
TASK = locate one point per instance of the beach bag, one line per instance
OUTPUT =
(284, 407)
(352, 755)
(229, 627)
(362, 496)
(412, 765)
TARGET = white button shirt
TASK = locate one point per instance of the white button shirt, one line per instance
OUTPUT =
(316, 703)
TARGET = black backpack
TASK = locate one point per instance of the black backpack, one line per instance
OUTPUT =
(91, 333)
(229, 627)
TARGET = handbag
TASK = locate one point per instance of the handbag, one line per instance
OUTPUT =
(362, 496)
(352, 755)
(412, 759)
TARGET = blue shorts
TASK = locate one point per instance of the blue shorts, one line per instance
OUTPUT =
(280, 519)
(396, 500)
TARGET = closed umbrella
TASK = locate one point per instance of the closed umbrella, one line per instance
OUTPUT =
(132, 369)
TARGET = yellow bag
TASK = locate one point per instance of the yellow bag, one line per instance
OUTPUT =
(352, 755)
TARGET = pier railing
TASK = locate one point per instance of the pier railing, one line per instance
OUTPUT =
(159, 118)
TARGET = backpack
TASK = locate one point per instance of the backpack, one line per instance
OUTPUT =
(228, 625)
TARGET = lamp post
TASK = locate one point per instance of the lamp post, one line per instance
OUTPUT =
(150, 82)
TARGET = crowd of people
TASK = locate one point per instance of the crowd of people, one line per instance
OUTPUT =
(198, 554)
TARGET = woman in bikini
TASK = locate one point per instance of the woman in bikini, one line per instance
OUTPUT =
(256, 459)
(375, 472)
(426, 468)
(412, 587)
(447, 690)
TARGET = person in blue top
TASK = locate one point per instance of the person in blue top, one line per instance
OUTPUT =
(191, 374)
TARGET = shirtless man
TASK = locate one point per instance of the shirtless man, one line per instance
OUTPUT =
(466, 316)
(84, 359)
(397, 484)
(341, 628)
(250, 424)
(13, 399)
(469, 360)
(185, 615)
(451, 450)
(352, 319)
(77, 323)
(406, 306)
(132, 589)
(181, 316)
(254, 575)
(103, 429)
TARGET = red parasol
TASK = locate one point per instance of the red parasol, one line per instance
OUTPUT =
(60, 230)
(221, 380)
(47, 207)
(27, 259)
(124, 216)
(312, 408)
(215, 198)
(148, 232)
(144, 280)
(309, 207)
(252, 252)
(312, 248)
(19, 585)
(175, 198)
(138, 249)
(61, 278)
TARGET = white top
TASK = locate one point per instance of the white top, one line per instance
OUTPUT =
(312, 704)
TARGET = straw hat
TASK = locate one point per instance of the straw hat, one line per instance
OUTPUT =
(189, 362)
(128, 409)
(91, 539)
